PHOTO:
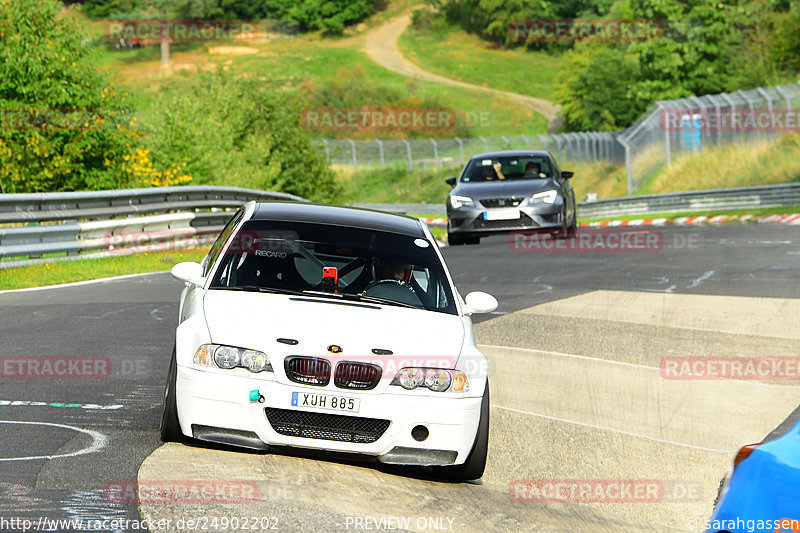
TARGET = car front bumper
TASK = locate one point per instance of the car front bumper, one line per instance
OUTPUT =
(471, 221)
(218, 408)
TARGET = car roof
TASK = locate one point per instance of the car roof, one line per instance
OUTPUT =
(512, 153)
(338, 216)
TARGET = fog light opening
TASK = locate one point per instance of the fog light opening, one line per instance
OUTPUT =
(420, 433)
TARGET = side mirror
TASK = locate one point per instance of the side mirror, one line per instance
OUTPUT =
(451, 181)
(188, 272)
(567, 174)
(479, 302)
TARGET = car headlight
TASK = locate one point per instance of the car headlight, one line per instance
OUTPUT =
(457, 201)
(546, 197)
(435, 379)
(228, 357)
(255, 361)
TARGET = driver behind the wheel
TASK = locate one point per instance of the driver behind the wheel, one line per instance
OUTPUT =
(391, 270)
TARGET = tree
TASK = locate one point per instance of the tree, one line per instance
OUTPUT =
(62, 127)
(234, 131)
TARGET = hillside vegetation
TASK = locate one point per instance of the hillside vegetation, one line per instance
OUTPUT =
(697, 47)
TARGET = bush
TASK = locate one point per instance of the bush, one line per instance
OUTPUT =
(352, 89)
(331, 16)
(224, 130)
(48, 72)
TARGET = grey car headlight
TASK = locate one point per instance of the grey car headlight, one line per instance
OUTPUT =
(457, 201)
(545, 197)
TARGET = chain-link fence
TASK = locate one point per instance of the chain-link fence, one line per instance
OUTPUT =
(455, 152)
(674, 127)
(666, 130)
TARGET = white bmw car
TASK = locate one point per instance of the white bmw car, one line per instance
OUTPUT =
(330, 328)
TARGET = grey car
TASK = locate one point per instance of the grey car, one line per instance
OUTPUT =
(510, 190)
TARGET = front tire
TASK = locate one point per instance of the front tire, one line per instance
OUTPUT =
(475, 464)
(170, 426)
(457, 240)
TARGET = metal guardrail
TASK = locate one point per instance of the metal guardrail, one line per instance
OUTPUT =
(762, 196)
(666, 130)
(87, 224)
(758, 197)
(82, 224)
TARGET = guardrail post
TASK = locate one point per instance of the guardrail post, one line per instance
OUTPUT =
(408, 150)
(508, 144)
(628, 170)
(752, 108)
(527, 142)
(353, 148)
(568, 138)
(766, 96)
(732, 105)
(380, 148)
(543, 141)
(327, 151)
(435, 152)
(786, 97)
(718, 118)
(461, 148)
(485, 144)
(586, 147)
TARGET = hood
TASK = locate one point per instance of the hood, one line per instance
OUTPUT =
(504, 189)
(257, 320)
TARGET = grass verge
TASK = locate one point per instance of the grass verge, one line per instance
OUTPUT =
(293, 63)
(395, 186)
(86, 269)
(755, 212)
(451, 52)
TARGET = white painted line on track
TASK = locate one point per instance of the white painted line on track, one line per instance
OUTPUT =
(623, 363)
(98, 441)
(696, 282)
(79, 283)
(572, 356)
(612, 430)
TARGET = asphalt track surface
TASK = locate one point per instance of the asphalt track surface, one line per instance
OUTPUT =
(574, 350)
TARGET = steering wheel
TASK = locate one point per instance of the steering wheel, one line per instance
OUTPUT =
(392, 289)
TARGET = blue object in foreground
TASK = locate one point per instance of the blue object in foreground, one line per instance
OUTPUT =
(763, 493)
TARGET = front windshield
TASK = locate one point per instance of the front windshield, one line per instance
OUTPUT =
(369, 265)
(507, 168)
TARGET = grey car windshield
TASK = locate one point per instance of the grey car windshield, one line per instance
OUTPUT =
(509, 168)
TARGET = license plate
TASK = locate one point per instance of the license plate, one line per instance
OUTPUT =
(504, 213)
(328, 402)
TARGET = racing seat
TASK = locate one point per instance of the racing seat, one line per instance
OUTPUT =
(269, 271)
